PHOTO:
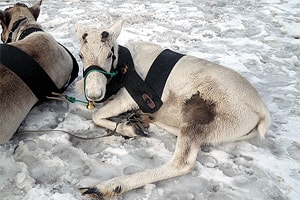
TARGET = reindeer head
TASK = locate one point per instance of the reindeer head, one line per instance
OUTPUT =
(11, 17)
(98, 53)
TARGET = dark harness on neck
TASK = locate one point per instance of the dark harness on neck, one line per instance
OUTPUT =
(14, 28)
(146, 93)
(29, 70)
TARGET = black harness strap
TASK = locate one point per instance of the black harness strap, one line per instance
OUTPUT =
(147, 94)
(28, 31)
(160, 69)
(14, 27)
(28, 70)
(75, 69)
(31, 72)
(142, 93)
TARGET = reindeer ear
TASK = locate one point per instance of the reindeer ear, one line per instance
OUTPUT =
(4, 19)
(115, 30)
(81, 33)
(35, 9)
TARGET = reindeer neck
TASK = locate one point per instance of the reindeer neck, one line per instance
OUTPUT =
(115, 50)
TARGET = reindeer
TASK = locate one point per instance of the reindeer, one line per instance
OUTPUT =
(32, 65)
(201, 103)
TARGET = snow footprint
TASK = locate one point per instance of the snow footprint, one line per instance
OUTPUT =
(294, 150)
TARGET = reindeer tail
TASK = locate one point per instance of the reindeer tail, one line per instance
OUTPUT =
(264, 123)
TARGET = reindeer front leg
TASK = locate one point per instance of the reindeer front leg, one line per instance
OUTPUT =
(121, 103)
(181, 163)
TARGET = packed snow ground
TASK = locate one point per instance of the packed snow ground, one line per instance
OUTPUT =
(259, 39)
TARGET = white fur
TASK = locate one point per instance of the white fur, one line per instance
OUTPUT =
(239, 112)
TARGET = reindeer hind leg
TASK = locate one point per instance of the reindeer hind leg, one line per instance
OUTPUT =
(185, 155)
(197, 115)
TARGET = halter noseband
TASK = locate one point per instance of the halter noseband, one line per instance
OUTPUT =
(95, 68)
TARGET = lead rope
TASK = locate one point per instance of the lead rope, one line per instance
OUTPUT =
(110, 133)
(63, 97)
(129, 117)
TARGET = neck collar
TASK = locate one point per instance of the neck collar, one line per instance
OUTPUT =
(24, 33)
(28, 31)
(14, 28)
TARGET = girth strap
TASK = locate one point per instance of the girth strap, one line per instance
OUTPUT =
(74, 72)
(160, 69)
(29, 71)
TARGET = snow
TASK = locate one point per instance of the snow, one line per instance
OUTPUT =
(259, 39)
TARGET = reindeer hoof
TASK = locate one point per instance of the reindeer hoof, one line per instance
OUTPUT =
(118, 189)
(139, 131)
(95, 193)
(91, 192)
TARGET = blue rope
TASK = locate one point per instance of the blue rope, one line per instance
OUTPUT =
(111, 74)
(73, 99)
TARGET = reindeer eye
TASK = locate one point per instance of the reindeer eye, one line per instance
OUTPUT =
(109, 55)
(84, 36)
(80, 56)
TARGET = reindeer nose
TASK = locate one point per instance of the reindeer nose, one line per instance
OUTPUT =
(94, 95)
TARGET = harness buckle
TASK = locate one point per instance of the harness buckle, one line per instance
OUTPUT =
(148, 101)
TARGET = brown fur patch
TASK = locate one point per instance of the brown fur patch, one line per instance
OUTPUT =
(197, 113)
(196, 110)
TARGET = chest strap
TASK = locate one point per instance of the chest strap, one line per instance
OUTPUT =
(31, 72)
(139, 90)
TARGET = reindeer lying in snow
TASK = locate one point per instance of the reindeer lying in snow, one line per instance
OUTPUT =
(201, 102)
(32, 65)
